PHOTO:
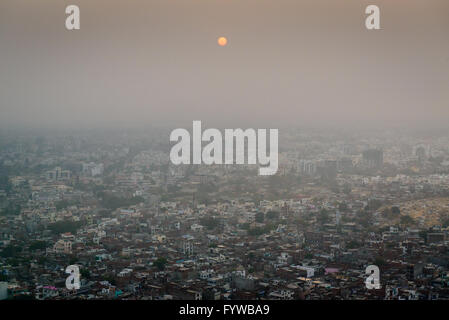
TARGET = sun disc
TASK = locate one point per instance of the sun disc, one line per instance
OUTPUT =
(222, 41)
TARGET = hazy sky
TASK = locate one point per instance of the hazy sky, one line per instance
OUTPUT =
(287, 63)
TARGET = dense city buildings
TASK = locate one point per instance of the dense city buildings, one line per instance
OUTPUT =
(140, 227)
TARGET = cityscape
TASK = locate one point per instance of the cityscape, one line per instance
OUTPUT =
(211, 158)
(141, 228)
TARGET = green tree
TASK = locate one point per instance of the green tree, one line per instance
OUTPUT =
(65, 226)
(272, 215)
(63, 204)
(353, 244)
(11, 251)
(379, 261)
(160, 263)
(210, 222)
(323, 217)
(5, 184)
(38, 245)
(395, 210)
(407, 221)
(85, 273)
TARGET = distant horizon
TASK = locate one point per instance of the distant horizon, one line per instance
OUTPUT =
(165, 129)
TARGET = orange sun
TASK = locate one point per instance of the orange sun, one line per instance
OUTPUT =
(222, 41)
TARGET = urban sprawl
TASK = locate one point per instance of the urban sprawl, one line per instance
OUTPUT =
(140, 227)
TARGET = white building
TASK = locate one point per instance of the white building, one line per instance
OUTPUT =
(63, 246)
(3, 290)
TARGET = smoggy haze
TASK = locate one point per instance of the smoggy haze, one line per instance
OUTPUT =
(287, 62)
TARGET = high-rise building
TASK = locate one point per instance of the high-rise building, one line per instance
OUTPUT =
(307, 167)
(373, 158)
(93, 169)
(187, 247)
(58, 174)
(421, 152)
(327, 169)
(344, 164)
